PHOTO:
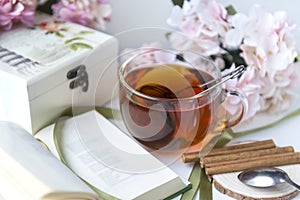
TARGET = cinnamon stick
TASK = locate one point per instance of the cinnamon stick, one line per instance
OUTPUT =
(242, 164)
(190, 157)
(246, 154)
(264, 144)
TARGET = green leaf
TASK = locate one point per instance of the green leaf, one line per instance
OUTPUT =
(178, 2)
(297, 59)
(73, 39)
(230, 9)
(49, 32)
(85, 32)
(59, 34)
(78, 45)
(64, 29)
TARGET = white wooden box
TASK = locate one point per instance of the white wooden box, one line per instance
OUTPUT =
(48, 68)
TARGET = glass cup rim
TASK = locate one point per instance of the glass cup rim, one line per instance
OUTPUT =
(151, 98)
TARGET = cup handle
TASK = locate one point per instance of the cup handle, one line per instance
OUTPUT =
(222, 123)
(244, 103)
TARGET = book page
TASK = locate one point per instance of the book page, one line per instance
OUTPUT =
(9, 187)
(34, 170)
(108, 159)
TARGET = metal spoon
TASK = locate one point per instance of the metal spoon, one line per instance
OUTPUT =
(265, 177)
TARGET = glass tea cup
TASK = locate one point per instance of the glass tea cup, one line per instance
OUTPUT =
(174, 101)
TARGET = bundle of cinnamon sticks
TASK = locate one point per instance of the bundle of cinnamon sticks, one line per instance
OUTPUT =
(244, 156)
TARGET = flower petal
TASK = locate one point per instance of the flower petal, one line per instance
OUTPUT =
(233, 38)
(176, 17)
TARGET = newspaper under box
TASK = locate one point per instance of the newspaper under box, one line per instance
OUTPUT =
(47, 68)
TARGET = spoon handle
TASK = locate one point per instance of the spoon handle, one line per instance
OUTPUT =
(288, 180)
(231, 75)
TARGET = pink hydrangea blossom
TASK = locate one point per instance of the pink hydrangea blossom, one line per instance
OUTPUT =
(90, 13)
(13, 11)
(271, 52)
(200, 23)
(265, 41)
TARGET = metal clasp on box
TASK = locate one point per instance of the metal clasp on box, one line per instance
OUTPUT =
(80, 77)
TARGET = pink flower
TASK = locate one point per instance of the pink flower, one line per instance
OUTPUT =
(91, 13)
(12, 11)
(261, 40)
(200, 25)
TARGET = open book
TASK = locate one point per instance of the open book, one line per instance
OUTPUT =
(28, 171)
(108, 161)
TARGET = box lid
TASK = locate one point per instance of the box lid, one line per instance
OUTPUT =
(42, 55)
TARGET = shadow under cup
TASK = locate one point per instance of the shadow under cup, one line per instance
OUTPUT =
(165, 100)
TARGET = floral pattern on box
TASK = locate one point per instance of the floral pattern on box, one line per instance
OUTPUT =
(47, 43)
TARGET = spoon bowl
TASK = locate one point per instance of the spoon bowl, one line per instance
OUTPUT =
(265, 177)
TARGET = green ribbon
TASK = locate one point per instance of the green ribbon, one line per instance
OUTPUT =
(195, 181)
(205, 189)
